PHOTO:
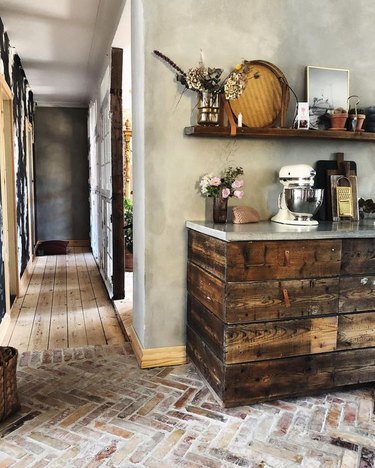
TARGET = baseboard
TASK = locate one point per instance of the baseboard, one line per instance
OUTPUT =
(4, 325)
(156, 357)
(79, 243)
(25, 278)
(6, 321)
(72, 242)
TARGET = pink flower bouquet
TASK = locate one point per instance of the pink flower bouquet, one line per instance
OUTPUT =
(228, 185)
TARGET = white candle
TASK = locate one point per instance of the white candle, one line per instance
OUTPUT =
(202, 58)
(239, 120)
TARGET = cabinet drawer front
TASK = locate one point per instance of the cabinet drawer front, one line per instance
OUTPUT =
(273, 300)
(283, 260)
(356, 331)
(357, 293)
(271, 340)
(358, 256)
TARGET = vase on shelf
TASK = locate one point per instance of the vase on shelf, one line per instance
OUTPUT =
(208, 108)
(220, 210)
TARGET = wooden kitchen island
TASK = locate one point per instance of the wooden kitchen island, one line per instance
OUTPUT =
(276, 311)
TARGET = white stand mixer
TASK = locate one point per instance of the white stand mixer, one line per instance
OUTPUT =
(298, 201)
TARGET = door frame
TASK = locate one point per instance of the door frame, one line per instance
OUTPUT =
(118, 239)
(29, 132)
(8, 197)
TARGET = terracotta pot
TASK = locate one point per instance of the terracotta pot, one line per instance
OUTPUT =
(355, 122)
(338, 121)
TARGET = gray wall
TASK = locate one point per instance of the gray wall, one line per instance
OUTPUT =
(290, 33)
(61, 173)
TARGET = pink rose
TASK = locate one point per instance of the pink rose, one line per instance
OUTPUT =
(237, 184)
(215, 181)
(225, 193)
(238, 193)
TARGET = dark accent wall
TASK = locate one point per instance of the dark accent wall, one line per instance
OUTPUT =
(61, 173)
(23, 106)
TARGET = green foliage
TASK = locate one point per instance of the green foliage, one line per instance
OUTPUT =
(128, 223)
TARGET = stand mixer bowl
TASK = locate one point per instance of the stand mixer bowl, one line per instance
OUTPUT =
(303, 202)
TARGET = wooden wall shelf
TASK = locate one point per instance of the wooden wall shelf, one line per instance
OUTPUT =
(245, 132)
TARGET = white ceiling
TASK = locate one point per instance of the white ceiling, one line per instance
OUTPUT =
(61, 44)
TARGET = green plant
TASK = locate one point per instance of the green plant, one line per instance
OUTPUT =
(128, 224)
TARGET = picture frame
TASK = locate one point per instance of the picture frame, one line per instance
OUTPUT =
(327, 89)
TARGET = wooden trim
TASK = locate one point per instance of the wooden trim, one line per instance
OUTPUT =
(118, 244)
(156, 357)
(246, 132)
(79, 243)
(25, 278)
(9, 198)
(73, 243)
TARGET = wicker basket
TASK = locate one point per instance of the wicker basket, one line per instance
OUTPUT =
(9, 402)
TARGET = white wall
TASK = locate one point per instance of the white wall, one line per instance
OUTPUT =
(289, 33)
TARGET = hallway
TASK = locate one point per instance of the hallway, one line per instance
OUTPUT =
(65, 306)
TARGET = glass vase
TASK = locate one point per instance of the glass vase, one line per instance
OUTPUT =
(208, 108)
(220, 210)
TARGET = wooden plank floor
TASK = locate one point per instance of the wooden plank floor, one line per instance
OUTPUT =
(65, 306)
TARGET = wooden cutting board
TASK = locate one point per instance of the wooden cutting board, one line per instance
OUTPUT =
(265, 99)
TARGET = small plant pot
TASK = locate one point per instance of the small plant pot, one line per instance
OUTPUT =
(355, 122)
(338, 121)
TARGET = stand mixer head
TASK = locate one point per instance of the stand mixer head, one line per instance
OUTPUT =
(299, 201)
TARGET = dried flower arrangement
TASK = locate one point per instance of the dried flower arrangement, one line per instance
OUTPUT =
(226, 186)
(202, 78)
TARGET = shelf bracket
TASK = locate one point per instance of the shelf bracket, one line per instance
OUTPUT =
(228, 111)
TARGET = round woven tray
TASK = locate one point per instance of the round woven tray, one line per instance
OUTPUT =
(262, 101)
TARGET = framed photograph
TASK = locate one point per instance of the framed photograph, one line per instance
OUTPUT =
(327, 89)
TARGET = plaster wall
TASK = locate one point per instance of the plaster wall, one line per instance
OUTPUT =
(290, 33)
(61, 173)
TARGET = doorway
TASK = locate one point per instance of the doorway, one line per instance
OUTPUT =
(8, 197)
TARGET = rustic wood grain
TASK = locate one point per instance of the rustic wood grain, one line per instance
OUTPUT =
(207, 252)
(283, 260)
(264, 300)
(356, 331)
(268, 380)
(209, 365)
(273, 340)
(208, 289)
(357, 293)
(207, 325)
(118, 243)
(246, 132)
(358, 256)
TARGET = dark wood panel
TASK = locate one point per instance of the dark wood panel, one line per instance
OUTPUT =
(207, 325)
(273, 300)
(208, 364)
(207, 252)
(118, 244)
(246, 132)
(358, 256)
(283, 260)
(269, 380)
(208, 289)
(357, 293)
(271, 340)
(356, 331)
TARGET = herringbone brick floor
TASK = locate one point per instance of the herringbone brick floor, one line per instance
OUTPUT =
(93, 406)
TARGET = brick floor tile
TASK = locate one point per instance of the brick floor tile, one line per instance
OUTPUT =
(94, 407)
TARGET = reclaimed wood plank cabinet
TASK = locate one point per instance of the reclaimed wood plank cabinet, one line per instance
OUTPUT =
(270, 319)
